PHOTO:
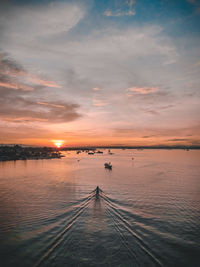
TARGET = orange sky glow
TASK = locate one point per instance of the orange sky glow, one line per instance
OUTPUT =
(76, 81)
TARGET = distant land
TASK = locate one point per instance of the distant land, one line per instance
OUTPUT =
(105, 147)
(19, 152)
(130, 147)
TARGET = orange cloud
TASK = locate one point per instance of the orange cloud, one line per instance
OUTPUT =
(142, 90)
(14, 76)
(99, 103)
(16, 86)
(24, 119)
(30, 78)
(50, 104)
(36, 80)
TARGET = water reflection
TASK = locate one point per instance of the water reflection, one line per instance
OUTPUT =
(147, 213)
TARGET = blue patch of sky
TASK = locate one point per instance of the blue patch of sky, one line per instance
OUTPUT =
(176, 17)
(163, 12)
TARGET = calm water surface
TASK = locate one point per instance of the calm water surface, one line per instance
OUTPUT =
(147, 215)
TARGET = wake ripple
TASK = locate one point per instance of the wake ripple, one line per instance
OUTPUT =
(61, 235)
(114, 213)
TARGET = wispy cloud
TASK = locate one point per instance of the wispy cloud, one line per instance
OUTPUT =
(109, 13)
(13, 76)
(21, 103)
(17, 86)
(16, 108)
(124, 10)
(51, 104)
(43, 20)
(99, 103)
(150, 111)
(167, 135)
(72, 69)
(178, 139)
(38, 81)
(148, 136)
(142, 90)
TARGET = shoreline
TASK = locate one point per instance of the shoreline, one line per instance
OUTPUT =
(17, 152)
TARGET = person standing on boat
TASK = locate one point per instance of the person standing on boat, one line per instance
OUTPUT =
(97, 191)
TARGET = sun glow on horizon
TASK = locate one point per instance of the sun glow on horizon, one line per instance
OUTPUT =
(58, 143)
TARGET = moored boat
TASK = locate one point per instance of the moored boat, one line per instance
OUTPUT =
(99, 152)
(90, 153)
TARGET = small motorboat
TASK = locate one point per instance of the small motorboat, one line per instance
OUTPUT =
(108, 165)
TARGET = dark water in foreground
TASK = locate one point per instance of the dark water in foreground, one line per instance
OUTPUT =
(147, 215)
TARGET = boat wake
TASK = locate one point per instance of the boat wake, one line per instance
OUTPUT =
(122, 225)
(134, 244)
(62, 235)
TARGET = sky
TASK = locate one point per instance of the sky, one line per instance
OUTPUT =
(109, 72)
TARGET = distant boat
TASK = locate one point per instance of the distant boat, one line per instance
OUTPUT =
(108, 165)
(99, 152)
(90, 153)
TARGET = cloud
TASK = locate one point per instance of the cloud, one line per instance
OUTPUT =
(161, 98)
(178, 139)
(130, 3)
(23, 104)
(17, 86)
(40, 20)
(64, 64)
(14, 76)
(20, 109)
(123, 11)
(148, 136)
(187, 141)
(142, 90)
(110, 58)
(173, 132)
(114, 59)
(99, 103)
(38, 81)
(155, 135)
(51, 104)
(109, 13)
(150, 111)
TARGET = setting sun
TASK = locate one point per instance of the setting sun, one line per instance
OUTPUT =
(58, 143)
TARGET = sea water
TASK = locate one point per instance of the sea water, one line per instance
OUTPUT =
(147, 214)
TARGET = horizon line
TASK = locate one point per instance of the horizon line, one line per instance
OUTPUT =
(162, 146)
